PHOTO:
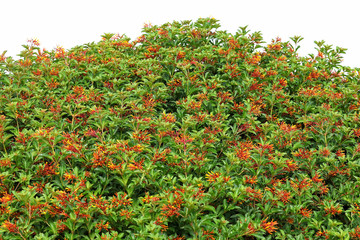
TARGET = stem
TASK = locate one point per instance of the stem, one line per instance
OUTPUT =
(106, 182)
(272, 105)
(72, 122)
(17, 124)
(72, 229)
(4, 147)
(22, 237)
(326, 132)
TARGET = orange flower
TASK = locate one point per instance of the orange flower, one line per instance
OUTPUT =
(355, 233)
(211, 176)
(357, 149)
(303, 153)
(69, 176)
(78, 89)
(340, 153)
(53, 84)
(54, 72)
(243, 153)
(250, 229)
(284, 196)
(142, 136)
(37, 73)
(163, 32)
(148, 198)
(195, 105)
(356, 209)
(357, 132)
(325, 152)
(316, 178)
(101, 225)
(180, 55)
(333, 210)
(305, 212)
(170, 118)
(6, 198)
(11, 227)
(225, 96)
(59, 52)
(269, 226)
(27, 62)
(48, 169)
(128, 214)
(323, 234)
(323, 189)
(290, 166)
(183, 139)
(60, 226)
(169, 210)
(304, 184)
(256, 109)
(254, 195)
(208, 235)
(136, 165)
(5, 162)
(256, 86)
(34, 42)
(251, 180)
(254, 59)
(226, 179)
(160, 223)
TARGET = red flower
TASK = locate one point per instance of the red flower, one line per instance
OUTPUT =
(169, 117)
(290, 165)
(37, 73)
(34, 42)
(59, 52)
(136, 165)
(251, 180)
(11, 227)
(54, 72)
(357, 132)
(340, 153)
(283, 195)
(254, 195)
(269, 226)
(355, 233)
(305, 212)
(316, 178)
(243, 153)
(303, 153)
(298, 186)
(333, 210)
(250, 229)
(211, 176)
(180, 55)
(142, 136)
(101, 225)
(325, 152)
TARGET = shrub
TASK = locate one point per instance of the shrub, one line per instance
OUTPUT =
(186, 133)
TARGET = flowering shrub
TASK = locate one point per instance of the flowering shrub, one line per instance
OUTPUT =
(186, 133)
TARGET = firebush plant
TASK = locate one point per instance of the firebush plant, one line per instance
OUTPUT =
(188, 132)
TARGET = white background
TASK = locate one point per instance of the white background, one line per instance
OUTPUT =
(76, 22)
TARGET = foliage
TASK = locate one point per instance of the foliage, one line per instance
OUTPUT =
(186, 133)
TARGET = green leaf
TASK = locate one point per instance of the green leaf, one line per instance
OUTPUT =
(209, 208)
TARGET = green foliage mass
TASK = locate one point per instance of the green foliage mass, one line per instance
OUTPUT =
(187, 132)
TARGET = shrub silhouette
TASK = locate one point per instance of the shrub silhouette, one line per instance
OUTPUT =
(186, 133)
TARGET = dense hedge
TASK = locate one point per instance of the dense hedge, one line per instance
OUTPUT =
(186, 133)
